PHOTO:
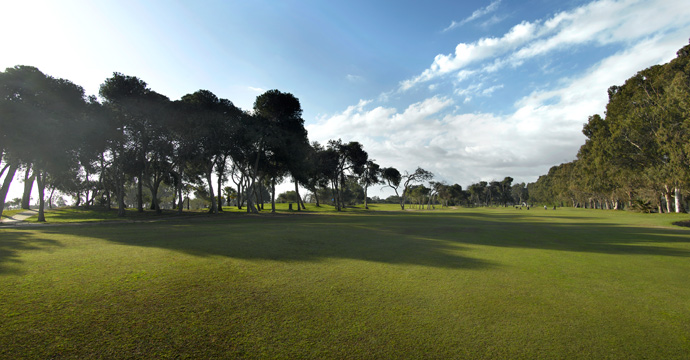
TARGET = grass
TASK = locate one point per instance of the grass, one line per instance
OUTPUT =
(468, 283)
(100, 214)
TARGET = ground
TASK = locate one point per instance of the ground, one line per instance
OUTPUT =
(465, 283)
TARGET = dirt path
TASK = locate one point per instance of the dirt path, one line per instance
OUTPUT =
(19, 217)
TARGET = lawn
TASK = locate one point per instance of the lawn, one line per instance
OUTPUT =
(467, 283)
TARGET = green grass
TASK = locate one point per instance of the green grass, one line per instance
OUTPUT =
(471, 283)
(99, 214)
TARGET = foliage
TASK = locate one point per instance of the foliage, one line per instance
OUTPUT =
(638, 154)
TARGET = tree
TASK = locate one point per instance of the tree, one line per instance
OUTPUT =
(210, 122)
(392, 178)
(345, 159)
(318, 164)
(285, 139)
(40, 114)
(370, 177)
(418, 176)
(519, 193)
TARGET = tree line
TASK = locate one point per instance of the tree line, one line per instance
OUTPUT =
(96, 149)
(638, 155)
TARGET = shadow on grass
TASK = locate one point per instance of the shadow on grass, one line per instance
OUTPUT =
(427, 239)
(549, 232)
(13, 243)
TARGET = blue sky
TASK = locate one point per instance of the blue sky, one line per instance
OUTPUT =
(468, 90)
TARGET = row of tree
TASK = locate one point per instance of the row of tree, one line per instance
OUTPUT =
(638, 155)
(136, 137)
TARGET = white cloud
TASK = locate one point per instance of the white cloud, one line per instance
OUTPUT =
(354, 78)
(475, 15)
(256, 89)
(543, 130)
(599, 22)
(466, 54)
(489, 91)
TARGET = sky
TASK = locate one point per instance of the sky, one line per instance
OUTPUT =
(471, 91)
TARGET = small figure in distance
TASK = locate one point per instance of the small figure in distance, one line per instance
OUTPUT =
(545, 208)
(554, 207)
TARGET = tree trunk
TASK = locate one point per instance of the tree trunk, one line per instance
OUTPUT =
(107, 199)
(50, 199)
(340, 192)
(667, 196)
(259, 195)
(180, 199)
(28, 186)
(299, 198)
(86, 193)
(140, 194)
(273, 196)
(4, 167)
(220, 193)
(209, 172)
(120, 193)
(41, 192)
(6, 185)
(250, 205)
(94, 192)
(155, 204)
(335, 195)
(679, 199)
(366, 206)
(316, 197)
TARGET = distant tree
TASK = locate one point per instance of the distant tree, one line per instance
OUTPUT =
(418, 176)
(392, 178)
(320, 164)
(519, 192)
(370, 177)
(345, 159)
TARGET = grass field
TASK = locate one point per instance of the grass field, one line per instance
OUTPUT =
(467, 283)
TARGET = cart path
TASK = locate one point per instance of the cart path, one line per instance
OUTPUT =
(19, 217)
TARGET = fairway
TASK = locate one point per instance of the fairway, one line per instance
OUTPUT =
(469, 283)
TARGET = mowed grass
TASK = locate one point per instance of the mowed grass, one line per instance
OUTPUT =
(101, 214)
(467, 283)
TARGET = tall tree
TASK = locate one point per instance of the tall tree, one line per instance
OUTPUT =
(128, 100)
(41, 114)
(370, 177)
(285, 138)
(210, 123)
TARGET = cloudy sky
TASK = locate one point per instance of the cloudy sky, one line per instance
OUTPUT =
(468, 90)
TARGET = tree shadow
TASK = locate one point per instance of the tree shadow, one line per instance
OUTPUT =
(426, 239)
(299, 238)
(12, 243)
(549, 232)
